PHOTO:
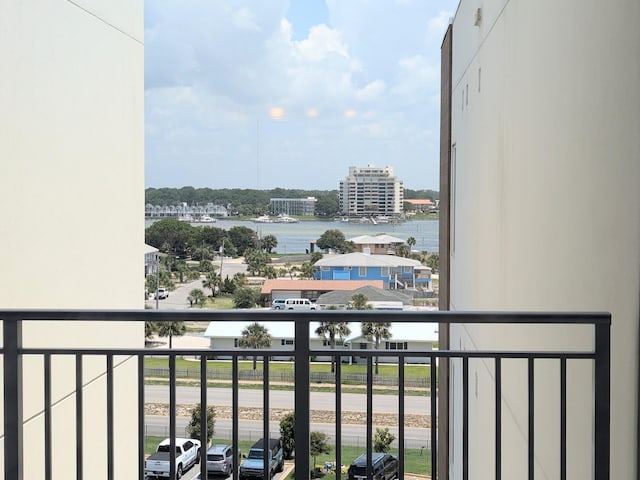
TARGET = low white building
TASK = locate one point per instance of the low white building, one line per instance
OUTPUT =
(404, 336)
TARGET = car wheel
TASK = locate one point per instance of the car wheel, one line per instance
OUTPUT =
(198, 456)
(179, 471)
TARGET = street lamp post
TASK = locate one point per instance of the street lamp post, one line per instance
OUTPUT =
(157, 278)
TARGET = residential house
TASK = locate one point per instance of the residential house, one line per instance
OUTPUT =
(311, 289)
(378, 298)
(282, 339)
(395, 272)
(72, 96)
(150, 260)
(379, 244)
(540, 115)
(404, 336)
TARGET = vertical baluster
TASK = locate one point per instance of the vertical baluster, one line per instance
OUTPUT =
(141, 415)
(47, 416)
(301, 395)
(401, 416)
(110, 419)
(79, 422)
(498, 420)
(531, 458)
(236, 413)
(338, 417)
(203, 416)
(465, 418)
(434, 418)
(563, 419)
(369, 416)
(172, 416)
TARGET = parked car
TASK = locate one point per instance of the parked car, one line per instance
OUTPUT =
(384, 466)
(187, 455)
(163, 293)
(220, 460)
(278, 303)
(253, 466)
(299, 304)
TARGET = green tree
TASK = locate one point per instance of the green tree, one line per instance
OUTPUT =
(242, 238)
(382, 440)
(359, 301)
(411, 241)
(318, 445)
(149, 329)
(376, 331)
(332, 240)
(245, 297)
(212, 281)
(403, 251)
(315, 256)
(256, 260)
(196, 296)
(170, 236)
(269, 242)
(327, 204)
(171, 329)
(287, 430)
(181, 268)
(307, 270)
(331, 330)
(268, 271)
(194, 425)
(433, 261)
(255, 336)
(206, 266)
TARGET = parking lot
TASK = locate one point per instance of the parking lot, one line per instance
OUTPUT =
(194, 473)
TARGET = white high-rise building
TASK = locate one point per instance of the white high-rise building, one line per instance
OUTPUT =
(371, 191)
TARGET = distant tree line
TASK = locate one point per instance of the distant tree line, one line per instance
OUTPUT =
(242, 201)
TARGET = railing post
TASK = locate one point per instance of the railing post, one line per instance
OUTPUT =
(12, 344)
(302, 416)
(602, 400)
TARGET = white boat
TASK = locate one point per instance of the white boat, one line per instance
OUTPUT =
(206, 219)
(262, 219)
(284, 218)
(185, 218)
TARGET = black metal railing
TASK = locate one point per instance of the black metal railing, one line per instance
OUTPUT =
(16, 349)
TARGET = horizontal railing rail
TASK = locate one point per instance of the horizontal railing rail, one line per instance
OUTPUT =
(16, 352)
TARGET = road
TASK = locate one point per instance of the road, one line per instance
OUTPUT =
(177, 299)
(285, 399)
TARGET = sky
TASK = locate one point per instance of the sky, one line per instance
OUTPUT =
(261, 94)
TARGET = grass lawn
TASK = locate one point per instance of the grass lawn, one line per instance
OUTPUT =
(384, 369)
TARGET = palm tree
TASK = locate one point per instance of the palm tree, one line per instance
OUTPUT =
(411, 242)
(359, 302)
(255, 336)
(212, 281)
(171, 329)
(332, 329)
(377, 331)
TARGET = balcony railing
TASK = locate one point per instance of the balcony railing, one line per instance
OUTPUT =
(16, 350)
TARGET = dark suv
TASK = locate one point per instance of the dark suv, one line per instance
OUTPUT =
(384, 466)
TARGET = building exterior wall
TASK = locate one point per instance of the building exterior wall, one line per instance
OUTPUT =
(71, 132)
(545, 198)
(371, 191)
(370, 273)
(293, 206)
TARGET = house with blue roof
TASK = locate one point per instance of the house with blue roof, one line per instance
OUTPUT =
(395, 272)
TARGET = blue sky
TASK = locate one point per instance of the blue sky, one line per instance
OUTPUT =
(290, 93)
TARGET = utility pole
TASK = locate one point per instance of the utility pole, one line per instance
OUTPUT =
(157, 278)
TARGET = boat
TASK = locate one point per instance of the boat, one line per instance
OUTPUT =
(206, 219)
(284, 218)
(262, 219)
(185, 218)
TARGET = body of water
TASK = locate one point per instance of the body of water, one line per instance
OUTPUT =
(296, 237)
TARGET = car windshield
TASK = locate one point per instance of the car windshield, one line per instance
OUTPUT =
(214, 457)
(255, 454)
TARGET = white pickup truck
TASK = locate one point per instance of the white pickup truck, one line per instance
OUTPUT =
(187, 455)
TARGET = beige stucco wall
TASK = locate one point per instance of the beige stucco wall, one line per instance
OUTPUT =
(72, 190)
(545, 122)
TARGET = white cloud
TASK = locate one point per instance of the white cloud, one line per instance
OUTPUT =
(212, 69)
(371, 91)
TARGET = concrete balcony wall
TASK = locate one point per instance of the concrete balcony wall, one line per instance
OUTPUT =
(71, 134)
(546, 178)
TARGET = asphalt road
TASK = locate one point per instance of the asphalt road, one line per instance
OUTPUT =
(252, 430)
(177, 299)
(285, 399)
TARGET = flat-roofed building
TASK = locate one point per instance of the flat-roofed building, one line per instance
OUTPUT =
(293, 206)
(371, 190)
